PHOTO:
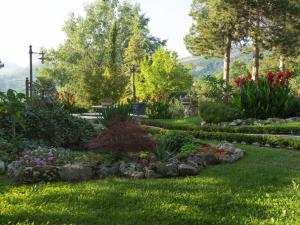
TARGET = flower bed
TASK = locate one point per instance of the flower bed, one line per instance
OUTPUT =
(45, 165)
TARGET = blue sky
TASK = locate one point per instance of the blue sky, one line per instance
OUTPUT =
(39, 22)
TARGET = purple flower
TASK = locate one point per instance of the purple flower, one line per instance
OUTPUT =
(40, 162)
(50, 158)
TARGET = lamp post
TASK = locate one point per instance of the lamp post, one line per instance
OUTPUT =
(42, 58)
(133, 84)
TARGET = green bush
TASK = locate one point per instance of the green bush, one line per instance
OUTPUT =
(233, 137)
(159, 110)
(248, 129)
(176, 109)
(264, 97)
(116, 113)
(7, 151)
(187, 149)
(213, 112)
(175, 141)
(56, 126)
(295, 107)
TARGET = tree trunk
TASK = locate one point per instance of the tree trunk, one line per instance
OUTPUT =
(282, 63)
(255, 66)
(227, 61)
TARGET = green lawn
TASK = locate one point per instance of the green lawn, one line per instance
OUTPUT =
(193, 123)
(263, 188)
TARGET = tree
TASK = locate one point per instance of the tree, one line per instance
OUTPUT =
(218, 25)
(164, 76)
(134, 55)
(89, 62)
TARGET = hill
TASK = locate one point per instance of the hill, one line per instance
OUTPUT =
(202, 66)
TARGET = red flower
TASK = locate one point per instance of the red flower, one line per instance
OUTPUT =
(243, 81)
(270, 75)
(237, 80)
(249, 76)
(288, 74)
(282, 81)
(280, 74)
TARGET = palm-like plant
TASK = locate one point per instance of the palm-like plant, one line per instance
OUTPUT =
(12, 106)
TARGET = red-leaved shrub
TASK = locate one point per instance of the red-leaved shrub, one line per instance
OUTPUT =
(122, 137)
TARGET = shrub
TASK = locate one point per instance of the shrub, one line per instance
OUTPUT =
(159, 109)
(176, 109)
(187, 149)
(123, 137)
(294, 109)
(265, 97)
(7, 151)
(212, 112)
(11, 109)
(56, 126)
(173, 142)
(110, 115)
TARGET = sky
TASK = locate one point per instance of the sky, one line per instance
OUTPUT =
(39, 23)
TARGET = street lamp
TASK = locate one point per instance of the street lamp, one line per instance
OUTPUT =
(133, 83)
(42, 58)
(1, 64)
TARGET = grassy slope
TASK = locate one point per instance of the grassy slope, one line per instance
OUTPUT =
(263, 188)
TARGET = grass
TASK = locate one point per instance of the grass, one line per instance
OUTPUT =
(263, 188)
(193, 123)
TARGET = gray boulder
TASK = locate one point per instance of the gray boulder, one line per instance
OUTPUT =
(14, 169)
(149, 173)
(187, 170)
(107, 170)
(76, 172)
(131, 170)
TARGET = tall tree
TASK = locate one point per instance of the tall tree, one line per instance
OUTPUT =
(218, 25)
(163, 76)
(89, 62)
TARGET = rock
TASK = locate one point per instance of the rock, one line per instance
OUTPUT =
(2, 167)
(172, 169)
(77, 172)
(243, 143)
(131, 170)
(198, 159)
(151, 174)
(187, 170)
(138, 175)
(108, 170)
(211, 159)
(14, 169)
(233, 124)
(267, 145)
(203, 123)
(256, 144)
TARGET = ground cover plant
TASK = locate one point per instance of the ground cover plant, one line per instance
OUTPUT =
(263, 188)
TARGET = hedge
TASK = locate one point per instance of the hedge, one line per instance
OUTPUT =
(239, 138)
(229, 129)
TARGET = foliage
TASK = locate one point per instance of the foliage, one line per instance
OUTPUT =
(240, 138)
(42, 156)
(212, 112)
(163, 76)
(286, 128)
(174, 141)
(119, 112)
(176, 109)
(44, 88)
(187, 149)
(67, 101)
(123, 137)
(159, 109)
(55, 126)
(294, 109)
(212, 88)
(265, 97)
(7, 151)
(11, 108)
(90, 62)
(161, 152)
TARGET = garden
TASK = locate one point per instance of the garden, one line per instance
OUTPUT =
(124, 133)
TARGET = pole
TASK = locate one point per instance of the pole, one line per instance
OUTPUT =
(30, 70)
(27, 87)
(133, 84)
